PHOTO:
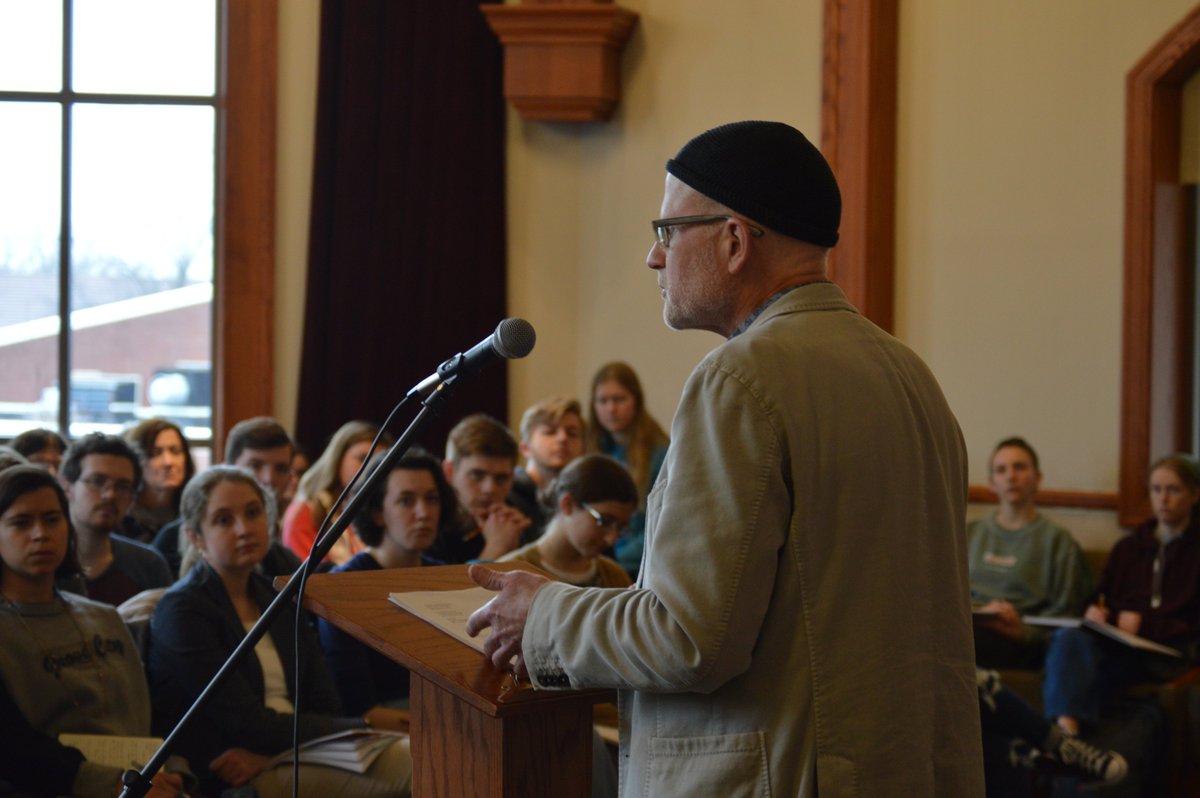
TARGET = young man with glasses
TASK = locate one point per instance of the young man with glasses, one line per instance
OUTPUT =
(101, 475)
(801, 623)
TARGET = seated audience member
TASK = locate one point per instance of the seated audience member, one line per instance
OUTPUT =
(1021, 563)
(594, 498)
(102, 474)
(10, 457)
(167, 466)
(42, 447)
(1017, 740)
(398, 523)
(300, 464)
(621, 427)
(320, 487)
(198, 623)
(551, 437)
(67, 664)
(481, 455)
(1150, 587)
(263, 447)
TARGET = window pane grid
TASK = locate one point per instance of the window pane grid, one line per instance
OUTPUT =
(132, 260)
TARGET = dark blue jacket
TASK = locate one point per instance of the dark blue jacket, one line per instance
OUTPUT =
(194, 630)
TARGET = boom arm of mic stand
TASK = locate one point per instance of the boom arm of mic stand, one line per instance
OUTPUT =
(137, 783)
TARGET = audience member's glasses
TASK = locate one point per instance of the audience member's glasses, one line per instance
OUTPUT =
(98, 484)
(663, 227)
(602, 520)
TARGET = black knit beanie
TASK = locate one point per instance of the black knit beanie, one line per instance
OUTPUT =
(767, 171)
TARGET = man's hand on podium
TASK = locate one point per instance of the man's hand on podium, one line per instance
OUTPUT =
(505, 614)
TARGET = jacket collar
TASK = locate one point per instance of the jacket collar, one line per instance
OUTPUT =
(206, 580)
(818, 295)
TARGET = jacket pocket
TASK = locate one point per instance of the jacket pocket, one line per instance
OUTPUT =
(729, 765)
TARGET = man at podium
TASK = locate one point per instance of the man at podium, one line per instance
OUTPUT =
(801, 623)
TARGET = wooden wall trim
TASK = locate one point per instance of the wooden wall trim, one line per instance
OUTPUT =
(1156, 371)
(244, 320)
(858, 136)
(979, 494)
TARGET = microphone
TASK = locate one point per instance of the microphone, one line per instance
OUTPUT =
(513, 338)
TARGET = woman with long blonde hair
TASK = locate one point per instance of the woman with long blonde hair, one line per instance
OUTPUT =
(320, 487)
(250, 718)
(620, 426)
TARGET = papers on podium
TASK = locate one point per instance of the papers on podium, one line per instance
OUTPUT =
(355, 750)
(448, 610)
(1106, 629)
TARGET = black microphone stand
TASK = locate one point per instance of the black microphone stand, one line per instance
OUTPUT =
(138, 783)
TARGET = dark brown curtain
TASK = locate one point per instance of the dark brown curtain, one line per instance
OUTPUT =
(406, 250)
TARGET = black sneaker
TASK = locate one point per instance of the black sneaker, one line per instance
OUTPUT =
(1094, 764)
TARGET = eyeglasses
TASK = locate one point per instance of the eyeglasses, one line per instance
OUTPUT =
(662, 227)
(98, 483)
(602, 520)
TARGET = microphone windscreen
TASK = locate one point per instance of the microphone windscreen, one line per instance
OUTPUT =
(514, 338)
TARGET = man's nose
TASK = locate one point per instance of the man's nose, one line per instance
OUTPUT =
(654, 258)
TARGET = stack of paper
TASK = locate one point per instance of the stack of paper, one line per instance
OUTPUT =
(354, 750)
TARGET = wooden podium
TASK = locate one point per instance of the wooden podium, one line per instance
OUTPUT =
(474, 734)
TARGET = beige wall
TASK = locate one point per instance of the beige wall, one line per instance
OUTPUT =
(299, 28)
(580, 197)
(1011, 132)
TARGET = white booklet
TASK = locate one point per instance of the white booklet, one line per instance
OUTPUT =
(113, 750)
(448, 610)
(354, 750)
(1106, 629)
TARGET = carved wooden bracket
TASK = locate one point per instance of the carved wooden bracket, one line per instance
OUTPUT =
(562, 59)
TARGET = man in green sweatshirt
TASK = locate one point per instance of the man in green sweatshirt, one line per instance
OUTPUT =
(1021, 564)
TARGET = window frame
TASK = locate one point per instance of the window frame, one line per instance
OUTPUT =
(1156, 384)
(244, 273)
(243, 315)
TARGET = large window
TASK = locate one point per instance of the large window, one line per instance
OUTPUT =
(108, 189)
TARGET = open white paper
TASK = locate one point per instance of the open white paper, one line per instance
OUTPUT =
(1108, 630)
(448, 610)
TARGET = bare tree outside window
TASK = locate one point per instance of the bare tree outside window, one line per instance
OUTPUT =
(107, 208)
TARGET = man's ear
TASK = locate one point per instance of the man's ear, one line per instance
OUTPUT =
(736, 245)
(448, 469)
(524, 447)
(566, 504)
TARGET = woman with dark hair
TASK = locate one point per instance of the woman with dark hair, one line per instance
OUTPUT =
(398, 523)
(620, 426)
(1150, 587)
(319, 488)
(167, 466)
(227, 516)
(594, 497)
(67, 664)
(42, 447)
